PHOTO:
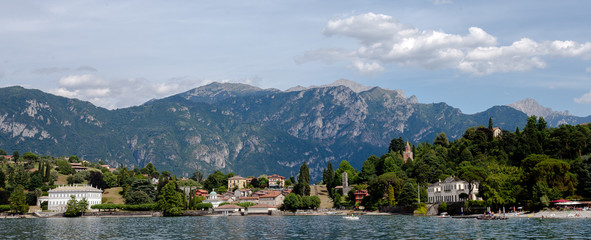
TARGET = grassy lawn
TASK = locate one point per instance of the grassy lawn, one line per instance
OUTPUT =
(322, 193)
(61, 180)
(111, 195)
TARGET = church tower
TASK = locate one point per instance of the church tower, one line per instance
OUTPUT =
(407, 153)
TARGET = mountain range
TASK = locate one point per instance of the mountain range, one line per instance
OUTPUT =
(241, 128)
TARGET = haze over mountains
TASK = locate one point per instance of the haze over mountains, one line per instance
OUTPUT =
(242, 128)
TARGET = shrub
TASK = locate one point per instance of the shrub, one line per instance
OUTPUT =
(204, 206)
(4, 208)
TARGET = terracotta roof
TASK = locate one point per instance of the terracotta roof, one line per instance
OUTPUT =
(262, 206)
(248, 198)
(272, 194)
(229, 206)
(276, 176)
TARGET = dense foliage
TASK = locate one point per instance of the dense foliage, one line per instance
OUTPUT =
(527, 168)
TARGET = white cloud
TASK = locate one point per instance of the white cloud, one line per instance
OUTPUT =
(367, 68)
(586, 98)
(82, 81)
(118, 93)
(384, 40)
(588, 69)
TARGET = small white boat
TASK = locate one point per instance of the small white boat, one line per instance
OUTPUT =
(351, 217)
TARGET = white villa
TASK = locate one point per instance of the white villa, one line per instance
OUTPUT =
(449, 190)
(214, 199)
(59, 197)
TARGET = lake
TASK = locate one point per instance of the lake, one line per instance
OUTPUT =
(291, 227)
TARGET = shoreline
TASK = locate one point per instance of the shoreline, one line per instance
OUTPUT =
(574, 214)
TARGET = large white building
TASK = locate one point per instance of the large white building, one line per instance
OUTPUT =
(59, 197)
(449, 191)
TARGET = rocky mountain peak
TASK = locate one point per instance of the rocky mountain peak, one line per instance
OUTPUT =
(531, 107)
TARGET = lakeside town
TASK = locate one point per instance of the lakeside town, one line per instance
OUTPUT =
(44, 186)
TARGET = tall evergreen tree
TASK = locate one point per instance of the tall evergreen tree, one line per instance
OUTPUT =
(303, 186)
(490, 124)
(18, 200)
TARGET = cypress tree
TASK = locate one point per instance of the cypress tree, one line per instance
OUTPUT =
(47, 172)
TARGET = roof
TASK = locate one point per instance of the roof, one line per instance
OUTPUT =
(229, 206)
(276, 176)
(236, 178)
(260, 205)
(248, 198)
(272, 194)
(75, 188)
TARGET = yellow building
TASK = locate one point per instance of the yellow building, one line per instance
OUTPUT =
(236, 181)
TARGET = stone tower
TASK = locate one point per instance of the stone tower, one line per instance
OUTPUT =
(407, 153)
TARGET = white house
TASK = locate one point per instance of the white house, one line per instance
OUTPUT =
(261, 209)
(449, 190)
(59, 197)
(214, 199)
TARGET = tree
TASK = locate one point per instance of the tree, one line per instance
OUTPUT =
(18, 200)
(408, 196)
(148, 169)
(143, 185)
(36, 181)
(47, 174)
(30, 157)
(215, 180)
(75, 208)
(96, 179)
(73, 159)
(292, 202)
(2, 179)
(197, 176)
(64, 168)
(170, 202)
(15, 156)
(396, 145)
(441, 139)
(328, 178)
(137, 197)
(302, 188)
(391, 197)
(490, 124)
(368, 171)
(472, 175)
(443, 207)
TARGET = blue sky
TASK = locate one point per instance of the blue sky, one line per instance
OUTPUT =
(469, 54)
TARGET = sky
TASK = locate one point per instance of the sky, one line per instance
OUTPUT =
(470, 54)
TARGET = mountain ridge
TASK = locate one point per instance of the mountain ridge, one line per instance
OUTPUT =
(234, 127)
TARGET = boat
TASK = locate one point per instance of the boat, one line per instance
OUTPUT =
(351, 217)
(443, 215)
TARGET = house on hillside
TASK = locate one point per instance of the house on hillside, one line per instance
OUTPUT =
(497, 132)
(359, 195)
(449, 190)
(276, 181)
(78, 167)
(236, 181)
(243, 192)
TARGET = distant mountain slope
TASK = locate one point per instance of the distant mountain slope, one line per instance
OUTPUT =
(234, 127)
(553, 118)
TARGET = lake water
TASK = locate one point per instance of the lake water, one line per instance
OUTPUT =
(292, 227)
